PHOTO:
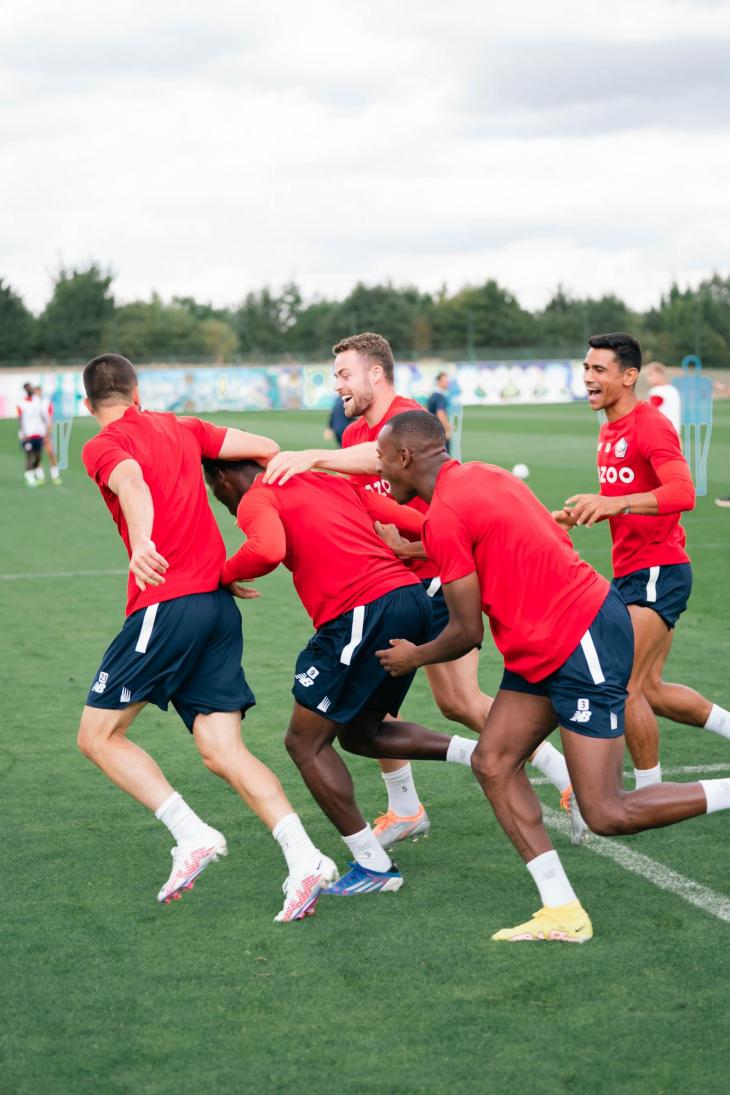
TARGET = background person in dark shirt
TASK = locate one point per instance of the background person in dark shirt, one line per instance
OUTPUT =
(438, 404)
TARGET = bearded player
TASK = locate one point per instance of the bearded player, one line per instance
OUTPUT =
(645, 485)
(567, 643)
(364, 380)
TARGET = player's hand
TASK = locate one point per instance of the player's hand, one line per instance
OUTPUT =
(329, 435)
(285, 464)
(147, 565)
(244, 593)
(589, 508)
(391, 536)
(564, 517)
(399, 659)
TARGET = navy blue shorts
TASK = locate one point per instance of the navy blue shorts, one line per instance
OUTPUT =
(434, 590)
(588, 691)
(337, 674)
(32, 444)
(665, 589)
(187, 650)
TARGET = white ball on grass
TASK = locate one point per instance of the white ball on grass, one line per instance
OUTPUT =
(521, 471)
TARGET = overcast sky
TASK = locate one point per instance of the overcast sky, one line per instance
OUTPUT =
(212, 148)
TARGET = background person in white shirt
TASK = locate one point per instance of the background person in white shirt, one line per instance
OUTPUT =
(663, 395)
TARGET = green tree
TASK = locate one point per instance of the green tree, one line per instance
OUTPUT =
(78, 314)
(155, 331)
(17, 326)
(479, 317)
(400, 315)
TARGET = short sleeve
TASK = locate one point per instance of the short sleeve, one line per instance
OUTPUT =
(209, 437)
(448, 544)
(658, 440)
(101, 456)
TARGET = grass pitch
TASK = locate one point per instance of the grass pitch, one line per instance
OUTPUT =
(105, 991)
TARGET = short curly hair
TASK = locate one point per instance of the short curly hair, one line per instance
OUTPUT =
(369, 345)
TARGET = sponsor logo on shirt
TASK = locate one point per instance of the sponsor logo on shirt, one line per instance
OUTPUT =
(583, 711)
(99, 684)
(614, 475)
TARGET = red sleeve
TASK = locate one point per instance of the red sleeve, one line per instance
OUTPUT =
(659, 441)
(209, 437)
(448, 545)
(101, 456)
(381, 508)
(677, 492)
(265, 547)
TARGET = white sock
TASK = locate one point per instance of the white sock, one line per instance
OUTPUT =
(717, 793)
(551, 880)
(644, 777)
(184, 824)
(403, 797)
(367, 852)
(29, 476)
(460, 750)
(39, 474)
(551, 762)
(300, 854)
(719, 721)
(54, 472)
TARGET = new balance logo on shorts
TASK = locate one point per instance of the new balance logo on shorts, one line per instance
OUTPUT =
(125, 696)
(583, 712)
(324, 704)
(100, 684)
(306, 679)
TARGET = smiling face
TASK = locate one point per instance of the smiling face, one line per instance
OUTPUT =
(609, 386)
(354, 376)
(395, 465)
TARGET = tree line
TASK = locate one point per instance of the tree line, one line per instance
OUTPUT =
(82, 318)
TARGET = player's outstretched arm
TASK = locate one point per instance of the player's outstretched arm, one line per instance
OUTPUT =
(145, 562)
(240, 445)
(354, 460)
(464, 631)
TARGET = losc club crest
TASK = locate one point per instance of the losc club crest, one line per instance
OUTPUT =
(620, 448)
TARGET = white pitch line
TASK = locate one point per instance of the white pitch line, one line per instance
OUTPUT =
(684, 770)
(664, 877)
(61, 574)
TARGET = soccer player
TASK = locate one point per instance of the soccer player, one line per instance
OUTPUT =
(364, 380)
(663, 395)
(31, 430)
(357, 595)
(567, 644)
(645, 485)
(182, 639)
(438, 404)
(47, 412)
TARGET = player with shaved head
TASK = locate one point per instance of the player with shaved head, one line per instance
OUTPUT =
(567, 643)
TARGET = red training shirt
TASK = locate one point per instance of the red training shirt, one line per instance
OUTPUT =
(358, 432)
(321, 528)
(539, 595)
(631, 452)
(168, 450)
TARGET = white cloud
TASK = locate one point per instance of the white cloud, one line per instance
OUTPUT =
(208, 150)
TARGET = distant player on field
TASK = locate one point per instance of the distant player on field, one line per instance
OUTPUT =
(567, 644)
(357, 595)
(438, 404)
(47, 412)
(182, 640)
(364, 380)
(31, 431)
(645, 485)
(663, 395)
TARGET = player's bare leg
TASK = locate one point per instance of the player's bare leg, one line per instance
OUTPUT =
(595, 765)
(455, 688)
(221, 747)
(642, 728)
(516, 725)
(680, 703)
(102, 738)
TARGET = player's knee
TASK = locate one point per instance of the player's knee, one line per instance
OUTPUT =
(298, 748)
(489, 769)
(606, 818)
(93, 733)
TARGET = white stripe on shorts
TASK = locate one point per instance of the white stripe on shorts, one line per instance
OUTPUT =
(147, 625)
(589, 649)
(434, 587)
(358, 618)
(651, 584)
